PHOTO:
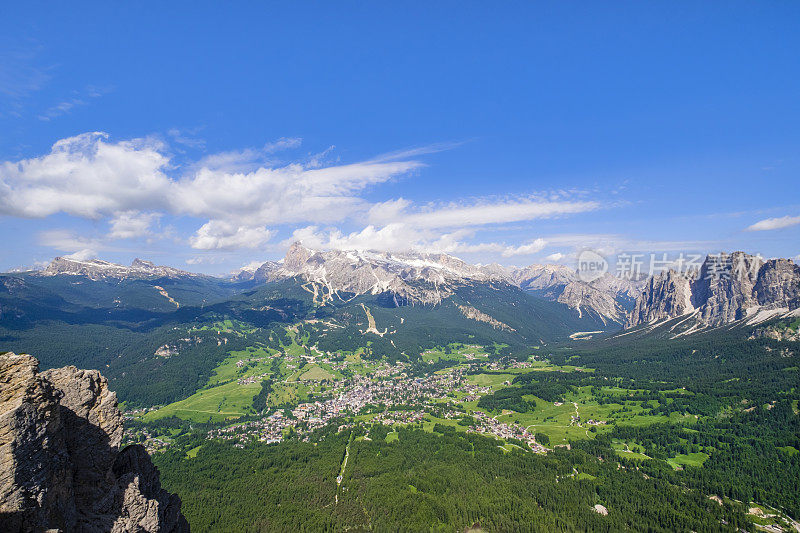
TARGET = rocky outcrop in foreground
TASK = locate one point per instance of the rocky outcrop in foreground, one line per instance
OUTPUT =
(61, 468)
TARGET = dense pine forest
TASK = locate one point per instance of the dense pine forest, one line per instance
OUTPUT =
(432, 482)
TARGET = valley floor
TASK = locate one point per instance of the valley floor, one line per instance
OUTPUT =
(465, 415)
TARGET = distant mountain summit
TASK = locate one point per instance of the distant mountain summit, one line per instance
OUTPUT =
(428, 278)
(727, 288)
(98, 269)
(410, 278)
(608, 297)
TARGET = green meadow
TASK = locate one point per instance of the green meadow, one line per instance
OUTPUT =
(216, 404)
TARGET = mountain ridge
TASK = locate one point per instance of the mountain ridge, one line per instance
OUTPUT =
(97, 269)
(727, 288)
(427, 278)
(420, 278)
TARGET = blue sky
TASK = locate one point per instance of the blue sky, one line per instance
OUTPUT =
(208, 135)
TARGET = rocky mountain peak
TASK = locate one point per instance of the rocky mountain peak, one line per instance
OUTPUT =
(97, 269)
(142, 264)
(411, 277)
(61, 468)
(667, 294)
(296, 257)
(727, 288)
(420, 277)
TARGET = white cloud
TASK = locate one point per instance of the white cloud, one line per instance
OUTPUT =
(186, 138)
(82, 255)
(774, 223)
(252, 265)
(222, 235)
(239, 198)
(78, 99)
(393, 238)
(289, 194)
(417, 151)
(611, 243)
(131, 224)
(284, 143)
(91, 177)
(87, 177)
(400, 237)
(21, 75)
(478, 214)
(245, 160)
(35, 265)
(204, 260)
(388, 211)
(525, 249)
(66, 241)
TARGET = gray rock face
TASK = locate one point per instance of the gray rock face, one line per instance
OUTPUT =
(606, 296)
(583, 297)
(428, 278)
(98, 269)
(668, 294)
(414, 278)
(543, 277)
(728, 287)
(60, 463)
(724, 289)
(778, 282)
(261, 273)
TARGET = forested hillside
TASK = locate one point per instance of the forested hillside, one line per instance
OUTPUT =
(430, 481)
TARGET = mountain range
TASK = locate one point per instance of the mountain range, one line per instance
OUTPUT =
(97, 269)
(727, 288)
(428, 278)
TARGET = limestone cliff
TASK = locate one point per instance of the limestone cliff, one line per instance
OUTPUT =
(61, 468)
(728, 288)
(428, 278)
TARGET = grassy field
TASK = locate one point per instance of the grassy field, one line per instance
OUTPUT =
(216, 404)
(460, 352)
(193, 452)
(555, 418)
(629, 450)
(223, 398)
(552, 420)
(692, 459)
(228, 371)
(495, 381)
(315, 373)
(283, 393)
(430, 421)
